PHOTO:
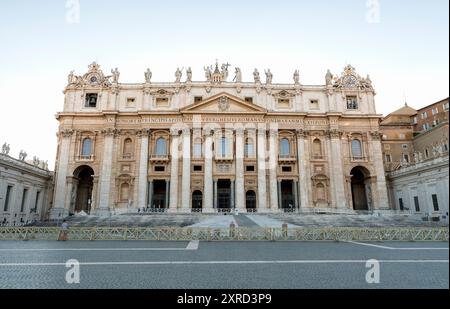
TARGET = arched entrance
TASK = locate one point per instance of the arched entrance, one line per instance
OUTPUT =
(85, 176)
(361, 190)
(197, 199)
(250, 199)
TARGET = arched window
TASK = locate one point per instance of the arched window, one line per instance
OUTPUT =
(128, 147)
(427, 153)
(161, 146)
(223, 146)
(317, 148)
(86, 149)
(284, 147)
(356, 148)
(197, 148)
(249, 148)
(124, 192)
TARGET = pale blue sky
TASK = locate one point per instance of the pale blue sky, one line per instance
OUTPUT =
(406, 53)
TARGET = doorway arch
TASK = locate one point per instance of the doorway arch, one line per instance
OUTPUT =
(197, 199)
(250, 199)
(83, 200)
(361, 188)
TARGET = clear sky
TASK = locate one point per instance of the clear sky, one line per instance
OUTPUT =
(404, 47)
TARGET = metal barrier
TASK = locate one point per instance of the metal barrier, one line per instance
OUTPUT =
(228, 234)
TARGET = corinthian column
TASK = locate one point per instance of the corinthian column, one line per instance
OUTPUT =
(59, 208)
(240, 195)
(186, 180)
(208, 176)
(377, 159)
(274, 204)
(262, 169)
(105, 176)
(173, 205)
(143, 169)
(303, 170)
(337, 174)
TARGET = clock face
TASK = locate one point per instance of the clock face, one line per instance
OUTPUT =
(350, 81)
(93, 79)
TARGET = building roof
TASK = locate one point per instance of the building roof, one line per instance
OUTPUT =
(405, 111)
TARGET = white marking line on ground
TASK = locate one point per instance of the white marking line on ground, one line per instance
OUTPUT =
(393, 248)
(227, 262)
(192, 245)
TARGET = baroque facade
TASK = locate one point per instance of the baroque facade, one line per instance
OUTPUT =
(216, 145)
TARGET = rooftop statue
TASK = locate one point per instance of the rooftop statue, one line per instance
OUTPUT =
(148, 76)
(269, 77)
(296, 77)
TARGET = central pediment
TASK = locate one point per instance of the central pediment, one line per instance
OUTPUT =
(223, 103)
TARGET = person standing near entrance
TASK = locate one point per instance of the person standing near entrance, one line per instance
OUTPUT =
(64, 231)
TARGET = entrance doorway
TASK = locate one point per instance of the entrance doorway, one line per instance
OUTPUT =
(361, 191)
(224, 194)
(287, 195)
(197, 199)
(85, 177)
(250, 200)
(159, 194)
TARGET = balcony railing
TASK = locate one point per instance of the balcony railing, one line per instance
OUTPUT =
(86, 158)
(226, 157)
(287, 158)
(127, 157)
(159, 157)
(359, 158)
(317, 157)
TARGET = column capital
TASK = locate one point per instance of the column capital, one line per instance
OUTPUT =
(273, 132)
(334, 133)
(175, 131)
(301, 133)
(187, 131)
(376, 135)
(208, 132)
(110, 132)
(66, 132)
(143, 133)
(240, 131)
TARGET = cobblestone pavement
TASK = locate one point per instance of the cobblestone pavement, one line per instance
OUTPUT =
(222, 265)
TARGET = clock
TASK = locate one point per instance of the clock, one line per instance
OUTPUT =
(350, 81)
(93, 79)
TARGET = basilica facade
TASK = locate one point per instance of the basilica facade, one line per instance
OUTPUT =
(218, 145)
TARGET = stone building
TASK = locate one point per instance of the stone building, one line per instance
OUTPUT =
(216, 145)
(416, 159)
(25, 189)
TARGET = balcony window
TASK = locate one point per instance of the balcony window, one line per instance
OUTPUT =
(161, 147)
(91, 100)
(86, 149)
(356, 149)
(284, 147)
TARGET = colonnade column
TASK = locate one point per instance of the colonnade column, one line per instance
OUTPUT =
(377, 159)
(186, 177)
(173, 200)
(240, 189)
(337, 173)
(59, 208)
(273, 166)
(262, 168)
(143, 169)
(105, 176)
(208, 176)
(303, 170)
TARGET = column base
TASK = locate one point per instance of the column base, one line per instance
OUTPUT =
(58, 213)
(208, 210)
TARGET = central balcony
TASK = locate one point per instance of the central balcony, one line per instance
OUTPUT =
(158, 158)
(224, 158)
(287, 158)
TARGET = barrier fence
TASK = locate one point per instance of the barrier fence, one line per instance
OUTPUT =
(228, 234)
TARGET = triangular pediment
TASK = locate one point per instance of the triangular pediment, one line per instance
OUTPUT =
(223, 103)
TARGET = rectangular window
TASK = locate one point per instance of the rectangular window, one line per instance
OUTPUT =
(313, 104)
(159, 168)
(7, 197)
(352, 102)
(286, 169)
(24, 199)
(249, 99)
(435, 202)
(425, 126)
(414, 120)
(131, 102)
(416, 203)
(250, 168)
(197, 168)
(91, 100)
(434, 111)
(162, 102)
(198, 99)
(388, 158)
(36, 202)
(445, 107)
(424, 115)
(406, 158)
(283, 103)
(400, 203)
(197, 150)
